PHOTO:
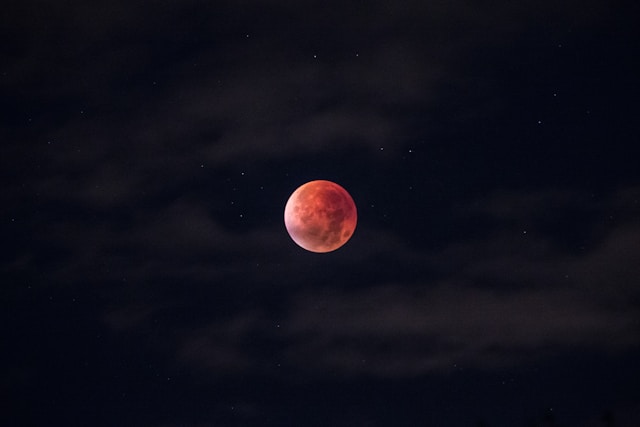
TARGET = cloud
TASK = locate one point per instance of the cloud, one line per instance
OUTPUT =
(489, 299)
(503, 300)
(137, 184)
(397, 330)
(209, 104)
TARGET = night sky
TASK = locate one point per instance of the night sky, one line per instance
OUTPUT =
(147, 152)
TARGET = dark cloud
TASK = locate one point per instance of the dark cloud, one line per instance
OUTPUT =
(148, 152)
(505, 299)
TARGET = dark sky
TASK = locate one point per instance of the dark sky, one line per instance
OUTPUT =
(148, 150)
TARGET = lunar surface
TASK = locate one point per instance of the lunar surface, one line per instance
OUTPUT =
(320, 216)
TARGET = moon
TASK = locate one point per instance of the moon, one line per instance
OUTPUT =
(320, 216)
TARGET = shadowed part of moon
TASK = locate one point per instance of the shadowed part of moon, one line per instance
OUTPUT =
(320, 216)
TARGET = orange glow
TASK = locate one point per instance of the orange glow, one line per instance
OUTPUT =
(320, 216)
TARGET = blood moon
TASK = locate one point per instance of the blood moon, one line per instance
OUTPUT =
(320, 216)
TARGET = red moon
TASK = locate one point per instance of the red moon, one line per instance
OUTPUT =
(320, 216)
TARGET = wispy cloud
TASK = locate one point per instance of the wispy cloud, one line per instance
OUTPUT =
(494, 302)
